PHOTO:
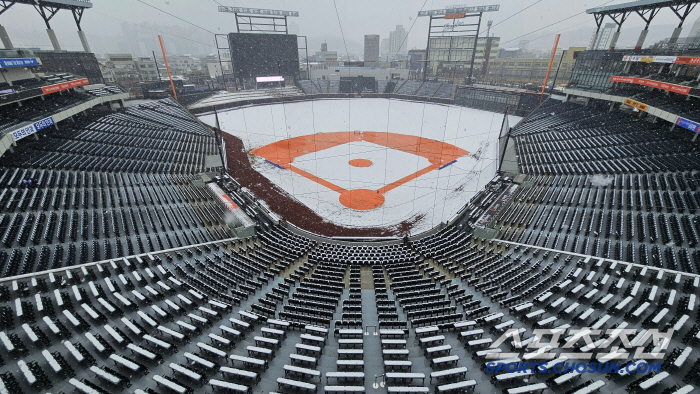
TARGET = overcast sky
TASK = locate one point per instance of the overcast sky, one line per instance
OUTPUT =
(106, 22)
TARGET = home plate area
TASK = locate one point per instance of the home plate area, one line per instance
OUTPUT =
(391, 162)
(357, 170)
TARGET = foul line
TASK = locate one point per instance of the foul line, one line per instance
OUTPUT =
(408, 178)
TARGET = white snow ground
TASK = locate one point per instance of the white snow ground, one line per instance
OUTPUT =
(435, 197)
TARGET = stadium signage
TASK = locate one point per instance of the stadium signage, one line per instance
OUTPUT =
(650, 59)
(566, 367)
(671, 87)
(453, 26)
(459, 10)
(662, 59)
(32, 128)
(269, 79)
(236, 211)
(688, 124)
(632, 344)
(687, 60)
(257, 11)
(665, 59)
(636, 104)
(19, 62)
(64, 85)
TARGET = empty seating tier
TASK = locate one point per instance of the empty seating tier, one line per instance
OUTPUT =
(279, 312)
(120, 272)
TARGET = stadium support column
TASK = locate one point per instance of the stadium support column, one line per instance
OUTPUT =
(78, 16)
(47, 13)
(5, 38)
(619, 19)
(647, 16)
(54, 40)
(4, 6)
(642, 37)
(613, 42)
(681, 12)
(83, 40)
(674, 36)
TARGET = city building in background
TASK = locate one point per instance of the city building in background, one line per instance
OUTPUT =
(146, 67)
(604, 38)
(184, 63)
(532, 70)
(121, 69)
(384, 48)
(397, 40)
(522, 51)
(325, 56)
(214, 70)
(371, 50)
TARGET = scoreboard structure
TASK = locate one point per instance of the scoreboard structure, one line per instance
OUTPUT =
(259, 55)
(453, 35)
(262, 45)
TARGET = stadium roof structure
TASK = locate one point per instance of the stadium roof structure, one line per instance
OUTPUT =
(641, 5)
(58, 4)
(47, 9)
(647, 10)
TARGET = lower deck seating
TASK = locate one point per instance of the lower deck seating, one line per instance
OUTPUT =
(222, 314)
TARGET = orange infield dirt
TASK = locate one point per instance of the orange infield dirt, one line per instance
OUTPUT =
(292, 210)
(360, 162)
(283, 153)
